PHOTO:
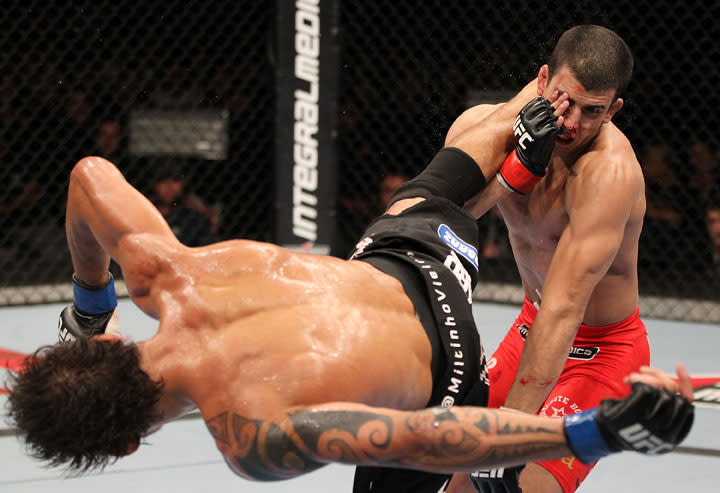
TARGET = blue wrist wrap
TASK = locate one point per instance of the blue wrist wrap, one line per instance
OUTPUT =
(584, 438)
(94, 301)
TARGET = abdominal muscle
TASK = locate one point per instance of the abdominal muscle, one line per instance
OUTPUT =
(534, 241)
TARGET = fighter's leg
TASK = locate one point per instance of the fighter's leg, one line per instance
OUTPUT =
(106, 217)
(461, 171)
(575, 392)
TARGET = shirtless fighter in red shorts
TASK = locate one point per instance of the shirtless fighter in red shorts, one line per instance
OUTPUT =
(574, 235)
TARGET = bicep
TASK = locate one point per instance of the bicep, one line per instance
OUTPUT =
(586, 249)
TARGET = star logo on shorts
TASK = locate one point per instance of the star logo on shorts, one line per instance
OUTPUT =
(558, 412)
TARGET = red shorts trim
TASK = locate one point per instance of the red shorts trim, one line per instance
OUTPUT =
(600, 358)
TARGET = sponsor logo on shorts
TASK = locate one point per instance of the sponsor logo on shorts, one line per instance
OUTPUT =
(576, 352)
(498, 473)
(523, 329)
(449, 324)
(361, 246)
(568, 461)
(460, 246)
(583, 353)
(559, 406)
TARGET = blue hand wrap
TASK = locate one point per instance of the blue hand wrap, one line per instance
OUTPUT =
(584, 438)
(94, 301)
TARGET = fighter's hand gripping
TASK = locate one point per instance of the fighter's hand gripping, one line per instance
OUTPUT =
(91, 313)
(535, 130)
(650, 420)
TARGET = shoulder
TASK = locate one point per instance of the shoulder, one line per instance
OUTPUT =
(607, 174)
(610, 162)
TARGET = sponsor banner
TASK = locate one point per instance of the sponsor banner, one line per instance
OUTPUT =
(706, 390)
(307, 74)
(10, 360)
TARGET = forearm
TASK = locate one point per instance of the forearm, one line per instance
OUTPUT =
(482, 202)
(89, 259)
(543, 358)
(459, 439)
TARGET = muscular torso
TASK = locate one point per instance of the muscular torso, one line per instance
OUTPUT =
(252, 328)
(537, 221)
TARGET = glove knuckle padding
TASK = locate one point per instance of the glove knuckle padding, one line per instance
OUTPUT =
(538, 119)
(660, 414)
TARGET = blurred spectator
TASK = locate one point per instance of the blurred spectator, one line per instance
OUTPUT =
(712, 222)
(703, 167)
(109, 142)
(388, 186)
(494, 237)
(186, 214)
(700, 174)
(19, 197)
(701, 264)
(701, 177)
(663, 217)
(112, 144)
(177, 87)
(357, 212)
(77, 128)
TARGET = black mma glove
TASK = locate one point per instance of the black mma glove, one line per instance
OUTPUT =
(535, 132)
(497, 480)
(74, 324)
(92, 312)
(650, 420)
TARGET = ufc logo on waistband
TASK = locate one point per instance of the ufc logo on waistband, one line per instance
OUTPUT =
(489, 473)
(642, 440)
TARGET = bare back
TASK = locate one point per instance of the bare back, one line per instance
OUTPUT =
(537, 222)
(265, 328)
(244, 325)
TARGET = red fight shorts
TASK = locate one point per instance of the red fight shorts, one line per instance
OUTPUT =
(599, 359)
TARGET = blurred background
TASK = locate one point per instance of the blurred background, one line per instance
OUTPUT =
(189, 99)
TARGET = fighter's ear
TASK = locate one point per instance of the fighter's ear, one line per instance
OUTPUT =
(614, 108)
(542, 79)
(130, 448)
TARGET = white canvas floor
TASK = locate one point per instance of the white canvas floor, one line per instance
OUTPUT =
(182, 457)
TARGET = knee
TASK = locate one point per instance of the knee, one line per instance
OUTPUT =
(537, 479)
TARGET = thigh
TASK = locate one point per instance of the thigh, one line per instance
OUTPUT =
(502, 367)
(574, 393)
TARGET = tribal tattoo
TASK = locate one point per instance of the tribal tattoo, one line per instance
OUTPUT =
(438, 440)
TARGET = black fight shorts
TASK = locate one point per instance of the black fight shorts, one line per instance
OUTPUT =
(430, 249)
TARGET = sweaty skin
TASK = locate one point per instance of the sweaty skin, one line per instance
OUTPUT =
(249, 331)
(574, 236)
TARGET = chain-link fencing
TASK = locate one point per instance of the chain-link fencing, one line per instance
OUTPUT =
(181, 95)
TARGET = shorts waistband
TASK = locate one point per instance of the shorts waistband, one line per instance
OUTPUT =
(529, 311)
(412, 281)
(459, 365)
